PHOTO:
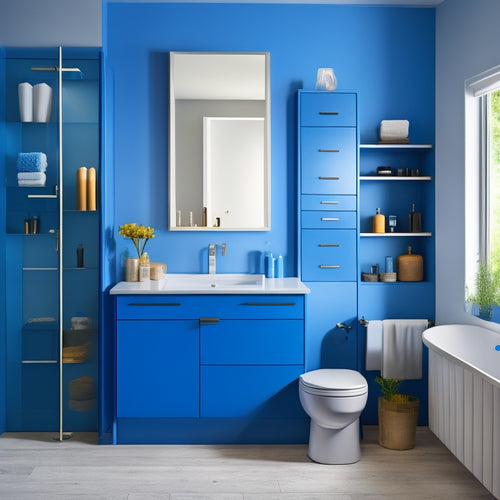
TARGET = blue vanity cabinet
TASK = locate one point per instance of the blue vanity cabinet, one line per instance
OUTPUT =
(328, 224)
(209, 368)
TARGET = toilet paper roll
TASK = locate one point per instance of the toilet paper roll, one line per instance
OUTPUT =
(25, 91)
(42, 102)
(81, 188)
(91, 189)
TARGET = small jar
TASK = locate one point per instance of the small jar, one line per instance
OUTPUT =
(144, 267)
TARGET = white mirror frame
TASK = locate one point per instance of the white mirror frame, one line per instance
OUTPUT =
(238, 83)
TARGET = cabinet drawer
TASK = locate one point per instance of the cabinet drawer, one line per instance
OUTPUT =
(328, 220)
(328, 202)
(328, 110)
(209, 306)
(250, 391)
(328, 157)
(328, 255)
(259, 342)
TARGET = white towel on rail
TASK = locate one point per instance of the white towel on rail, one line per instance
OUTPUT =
(402, 348)
(374, 345)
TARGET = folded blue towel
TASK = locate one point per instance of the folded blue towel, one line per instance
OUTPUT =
(31, 162)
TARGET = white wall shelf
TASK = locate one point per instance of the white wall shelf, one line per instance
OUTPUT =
(395, 146)
(394, 178)
(393, 235)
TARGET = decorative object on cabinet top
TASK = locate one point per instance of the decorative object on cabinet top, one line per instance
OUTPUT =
(326, 79)
(139, 234)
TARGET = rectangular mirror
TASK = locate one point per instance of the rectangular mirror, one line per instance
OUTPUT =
(219, 141)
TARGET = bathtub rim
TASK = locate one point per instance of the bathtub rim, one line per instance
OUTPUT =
(441, 351)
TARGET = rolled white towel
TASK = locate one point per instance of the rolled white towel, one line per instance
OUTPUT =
(394, 129)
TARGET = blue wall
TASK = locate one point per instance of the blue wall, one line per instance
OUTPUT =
(384, 53)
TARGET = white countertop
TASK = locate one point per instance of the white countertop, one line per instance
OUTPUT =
(166, 287)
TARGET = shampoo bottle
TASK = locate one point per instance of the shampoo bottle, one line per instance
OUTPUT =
(378, 222)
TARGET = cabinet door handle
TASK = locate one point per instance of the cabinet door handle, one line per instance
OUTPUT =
(322, 150)
(269, 303)
(327, 266)
(323, 178)
(328, 112)
(209, 321)
(329, 245)
(328, 202)
(330, 218)
(154, 304)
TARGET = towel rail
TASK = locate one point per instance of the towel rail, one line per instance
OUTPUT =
(364, 322)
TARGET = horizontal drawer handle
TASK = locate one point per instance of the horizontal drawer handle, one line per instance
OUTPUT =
(327, 266)
(328, 202)
(154, 304)
(336, 245)
(330, 218)
(323, 178)
(209, 321)
(328, 112)
(321, 150)
(269, 304)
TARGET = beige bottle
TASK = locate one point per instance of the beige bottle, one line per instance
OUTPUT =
(378, 222)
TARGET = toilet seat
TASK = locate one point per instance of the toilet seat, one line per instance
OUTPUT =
(334, 383)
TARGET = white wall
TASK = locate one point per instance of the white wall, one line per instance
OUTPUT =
(467, 43)
(50, 23)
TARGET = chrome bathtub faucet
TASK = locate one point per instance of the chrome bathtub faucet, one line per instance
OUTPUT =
(212, 251)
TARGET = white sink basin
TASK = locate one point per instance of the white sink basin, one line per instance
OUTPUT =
(214, 281)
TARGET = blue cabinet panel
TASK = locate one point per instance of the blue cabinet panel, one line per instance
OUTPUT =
(328, 202)
(328, 157)
(328, 345)
(157, 369)
(198, 306)
(328, 110)
(328, 220)
(259, 342)
(328, 255)
(250, 391)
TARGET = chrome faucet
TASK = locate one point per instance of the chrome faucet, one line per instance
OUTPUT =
(212, 251)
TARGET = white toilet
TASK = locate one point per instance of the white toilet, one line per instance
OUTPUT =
(334, 399)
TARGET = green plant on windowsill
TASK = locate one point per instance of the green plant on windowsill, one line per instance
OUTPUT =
(486, 290)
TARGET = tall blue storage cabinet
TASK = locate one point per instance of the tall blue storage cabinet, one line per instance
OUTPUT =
(51, 359)
(328, 179)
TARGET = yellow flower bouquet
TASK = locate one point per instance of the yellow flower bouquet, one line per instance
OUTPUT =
(140, 235)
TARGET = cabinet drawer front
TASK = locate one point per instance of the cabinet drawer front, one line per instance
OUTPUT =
(328, 202)
(250, 391)
(328, 220)
(328, 255)
(210, 306)
(157, 369)
(259, 342)
(328, 110)
(328, 157)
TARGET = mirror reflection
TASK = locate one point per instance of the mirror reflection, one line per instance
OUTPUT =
(219, 141)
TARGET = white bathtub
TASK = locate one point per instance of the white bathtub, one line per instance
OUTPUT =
(464, 396)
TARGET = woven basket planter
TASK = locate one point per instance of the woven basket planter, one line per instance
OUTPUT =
(397, 423)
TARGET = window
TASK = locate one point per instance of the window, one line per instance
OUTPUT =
(482, 175)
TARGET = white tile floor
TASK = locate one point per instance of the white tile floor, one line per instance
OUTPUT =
(35, 466)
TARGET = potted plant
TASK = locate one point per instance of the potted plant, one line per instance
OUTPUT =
(486, 290)
(397, 416)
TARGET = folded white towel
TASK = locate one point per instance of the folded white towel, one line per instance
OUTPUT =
(30, 176)
(394, 129)
(402, 348)
(374, 345)
(33, 182)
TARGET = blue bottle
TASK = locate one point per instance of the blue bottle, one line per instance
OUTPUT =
(279, 267)
(269, 262)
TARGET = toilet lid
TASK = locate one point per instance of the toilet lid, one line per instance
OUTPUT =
(334, 382)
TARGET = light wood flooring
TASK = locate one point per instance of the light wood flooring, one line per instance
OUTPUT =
(35, 466)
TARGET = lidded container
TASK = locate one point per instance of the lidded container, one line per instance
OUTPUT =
(410, 267)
